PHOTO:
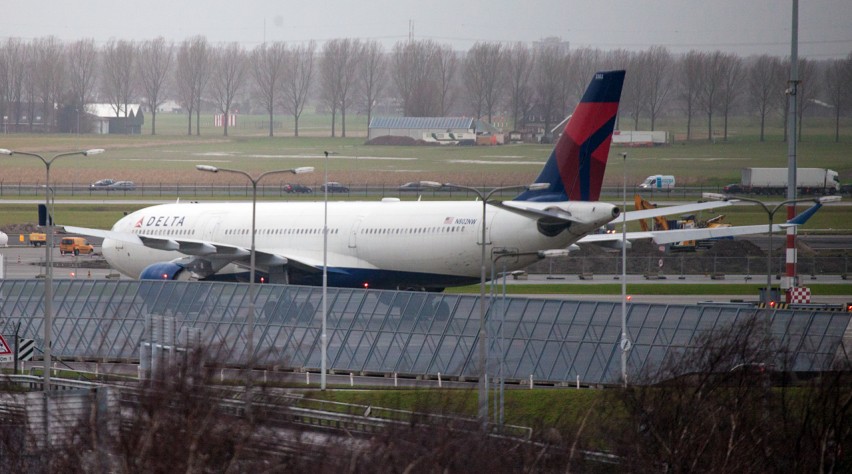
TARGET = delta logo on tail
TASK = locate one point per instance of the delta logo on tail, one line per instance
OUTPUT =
(575, 169)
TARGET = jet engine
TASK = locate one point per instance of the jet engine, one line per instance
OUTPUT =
(164, 271)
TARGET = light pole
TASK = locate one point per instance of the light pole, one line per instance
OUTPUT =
(323, 335)
(48, 261)
(483, 196)
(496, 255)
(625, 340)
(770, 213)
(253, 180)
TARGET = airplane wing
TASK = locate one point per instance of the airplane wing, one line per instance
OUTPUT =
(679, 235)
(209, 257)
(680, 209)
(530, 209)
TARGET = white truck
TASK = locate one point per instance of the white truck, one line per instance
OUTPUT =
(774, 181)
(658, 182)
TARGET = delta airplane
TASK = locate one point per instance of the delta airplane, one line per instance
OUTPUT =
(388, 244)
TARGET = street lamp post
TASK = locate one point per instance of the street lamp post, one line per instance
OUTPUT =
(770, 213)
(323, 330)
(254, 180)
(48, 261)
(496, 255)
(483, 196)
(625, 340)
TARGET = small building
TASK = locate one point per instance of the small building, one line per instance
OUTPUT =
(105, 120)
(442, 130)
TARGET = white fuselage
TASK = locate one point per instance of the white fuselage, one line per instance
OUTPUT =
(436, 239)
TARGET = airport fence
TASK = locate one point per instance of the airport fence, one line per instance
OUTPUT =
(278, 189)
(691, 263)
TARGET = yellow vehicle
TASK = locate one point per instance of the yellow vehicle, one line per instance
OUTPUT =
(75, 245)
(38, 239)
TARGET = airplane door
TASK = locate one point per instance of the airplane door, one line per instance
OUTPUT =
(353, 232)
(211, 226)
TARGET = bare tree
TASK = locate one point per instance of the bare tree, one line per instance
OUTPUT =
(446, 63)
(119, 59)
(635, 88)
(82, 63)
(483, 78)
(659, 66)
(338, 75)
(332, 59)
(709, 421)
(691, 83)
(15, 59)
(765, 83)
(267, 69)
(30, 88)
(549, 71)
(584, 63)
(838, 88)
(230, 65)
(519, 61)
(372, 72)
(807, 91)
(155, 63)
(297, 80)
(49, 70)
(183, 81)
(713, 73)
(192, 74)
(412, 74)
(733, 75)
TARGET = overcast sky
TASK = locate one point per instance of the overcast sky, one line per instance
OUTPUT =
(745, 27)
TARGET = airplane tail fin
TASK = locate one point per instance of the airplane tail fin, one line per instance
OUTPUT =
(576, 166)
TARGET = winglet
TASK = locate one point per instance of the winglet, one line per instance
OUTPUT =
(805, 215)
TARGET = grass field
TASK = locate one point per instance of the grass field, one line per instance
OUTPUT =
(171, 156)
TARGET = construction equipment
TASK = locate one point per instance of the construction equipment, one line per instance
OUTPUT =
(685, 222)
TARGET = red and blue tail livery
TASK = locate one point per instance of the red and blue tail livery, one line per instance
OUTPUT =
(576, 167)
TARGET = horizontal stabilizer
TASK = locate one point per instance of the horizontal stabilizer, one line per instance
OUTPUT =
(551, 212)
(674, 210)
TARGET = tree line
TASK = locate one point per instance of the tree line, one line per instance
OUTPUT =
(45, 84)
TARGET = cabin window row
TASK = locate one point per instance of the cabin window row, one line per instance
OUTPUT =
(413, 230)
(306, 231)
(186, 231)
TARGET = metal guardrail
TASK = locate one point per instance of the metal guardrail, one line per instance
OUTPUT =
(353, 418)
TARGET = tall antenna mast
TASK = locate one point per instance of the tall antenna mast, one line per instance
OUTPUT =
(792, 98)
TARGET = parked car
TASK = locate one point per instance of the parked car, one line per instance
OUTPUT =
(733, 188)
(418, 186)
(297, 188)
(101, 184)
(334, 187)
(121, 186)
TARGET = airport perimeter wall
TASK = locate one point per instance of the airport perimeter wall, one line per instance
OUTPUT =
(413, 334)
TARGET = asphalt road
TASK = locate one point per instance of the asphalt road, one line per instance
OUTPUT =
(27, 262)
